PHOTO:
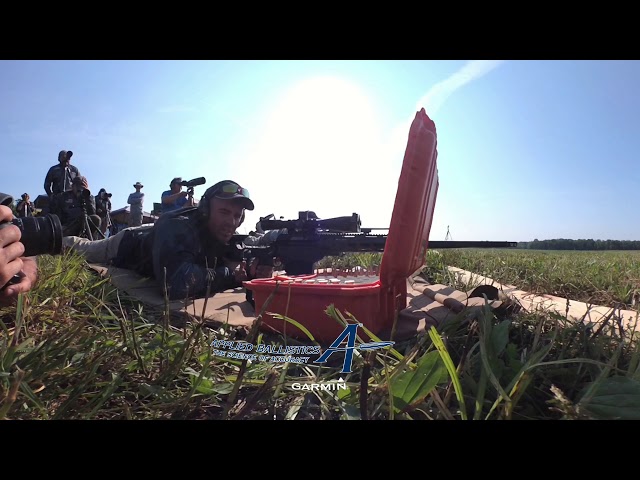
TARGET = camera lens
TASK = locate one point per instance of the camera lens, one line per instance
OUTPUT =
(40, 235)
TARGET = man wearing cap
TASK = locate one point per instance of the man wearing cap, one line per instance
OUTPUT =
(175, 198)
(71, 207)
(136, 200)
(191, 248)
(59, 177)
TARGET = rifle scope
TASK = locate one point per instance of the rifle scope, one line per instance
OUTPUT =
(309, 221)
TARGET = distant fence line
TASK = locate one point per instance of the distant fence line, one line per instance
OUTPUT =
(568, 244)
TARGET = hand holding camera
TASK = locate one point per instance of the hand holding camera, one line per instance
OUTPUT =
(17, 274)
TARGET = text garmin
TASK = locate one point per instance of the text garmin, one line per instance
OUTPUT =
(322, 387)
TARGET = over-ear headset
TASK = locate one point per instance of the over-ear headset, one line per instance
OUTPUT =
(203, 206)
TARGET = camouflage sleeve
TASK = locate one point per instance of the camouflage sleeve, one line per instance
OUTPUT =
(175, 250)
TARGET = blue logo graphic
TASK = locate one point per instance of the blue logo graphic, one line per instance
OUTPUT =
(349, 332)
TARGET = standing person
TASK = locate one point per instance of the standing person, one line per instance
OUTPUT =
(136, 200)
(175, 198)
(60, 177)
(25, 207)
(103, 209)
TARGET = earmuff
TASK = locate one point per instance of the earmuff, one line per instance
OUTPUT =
(203, 206)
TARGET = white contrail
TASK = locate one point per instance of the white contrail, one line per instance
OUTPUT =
(439, 93)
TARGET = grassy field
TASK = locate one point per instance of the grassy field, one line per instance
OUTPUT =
(76, 348)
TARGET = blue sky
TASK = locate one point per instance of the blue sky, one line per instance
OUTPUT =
(526, 149)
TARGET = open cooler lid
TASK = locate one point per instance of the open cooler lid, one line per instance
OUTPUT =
(408, 236)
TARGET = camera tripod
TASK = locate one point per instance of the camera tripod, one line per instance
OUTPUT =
(87, 223)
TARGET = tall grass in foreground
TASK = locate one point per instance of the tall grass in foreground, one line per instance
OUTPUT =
(75, 348)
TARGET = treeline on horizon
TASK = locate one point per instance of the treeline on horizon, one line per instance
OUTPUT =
(581, 244)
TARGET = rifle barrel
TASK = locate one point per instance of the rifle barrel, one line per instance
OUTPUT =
(470, 244)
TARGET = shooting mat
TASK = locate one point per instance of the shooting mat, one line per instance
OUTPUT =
(426, 304)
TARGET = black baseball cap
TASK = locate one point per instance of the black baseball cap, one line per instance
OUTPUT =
(229, 189)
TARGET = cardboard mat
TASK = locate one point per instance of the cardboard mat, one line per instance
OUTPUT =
(571, 309)
(426, 304)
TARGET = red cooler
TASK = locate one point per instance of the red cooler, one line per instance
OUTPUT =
(373, 301)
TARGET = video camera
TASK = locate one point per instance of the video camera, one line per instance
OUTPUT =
(193, 183)
(40, 235)
(85, 192)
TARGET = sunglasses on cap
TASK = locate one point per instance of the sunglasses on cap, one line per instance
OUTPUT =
(230, 190)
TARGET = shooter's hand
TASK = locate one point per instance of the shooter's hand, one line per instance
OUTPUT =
(240, 272)
(260, 271)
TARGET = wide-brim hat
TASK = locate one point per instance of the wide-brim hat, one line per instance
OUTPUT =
(138, 184)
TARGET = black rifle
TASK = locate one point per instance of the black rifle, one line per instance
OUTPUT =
(309, 239)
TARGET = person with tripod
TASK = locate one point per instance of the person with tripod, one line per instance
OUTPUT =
(25, 207)
(77, 211)
(176, 198)
(103, 210)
